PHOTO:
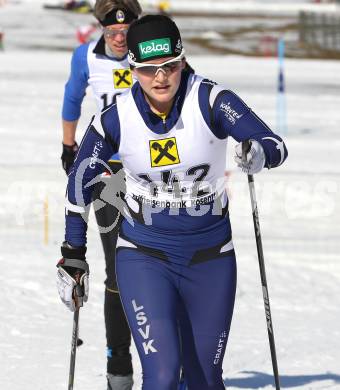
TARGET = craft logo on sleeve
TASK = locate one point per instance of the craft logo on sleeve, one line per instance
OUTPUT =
(122, 78)
(164, 152)
(156, 47)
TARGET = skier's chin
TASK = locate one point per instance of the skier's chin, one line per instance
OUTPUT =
(119, 51)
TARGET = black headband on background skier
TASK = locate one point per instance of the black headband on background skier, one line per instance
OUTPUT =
(175, 253)
(118, 16)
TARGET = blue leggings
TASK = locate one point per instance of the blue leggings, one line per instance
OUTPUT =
(179, 315)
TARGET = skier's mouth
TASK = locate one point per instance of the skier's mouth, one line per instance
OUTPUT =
(162, 87)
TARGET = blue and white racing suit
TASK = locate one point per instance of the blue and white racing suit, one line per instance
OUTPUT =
(175, 256)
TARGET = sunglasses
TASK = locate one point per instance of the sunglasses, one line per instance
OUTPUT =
(108, 33)
(166, 67)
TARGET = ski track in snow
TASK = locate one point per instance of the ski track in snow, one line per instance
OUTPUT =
(299, 216)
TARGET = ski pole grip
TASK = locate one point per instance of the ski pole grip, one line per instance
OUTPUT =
(245, 149)
(78, 290)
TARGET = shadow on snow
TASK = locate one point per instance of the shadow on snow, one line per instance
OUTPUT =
(259, 379)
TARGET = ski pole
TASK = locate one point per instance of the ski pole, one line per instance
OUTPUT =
(182, 383)
(251, 183)
(78, 297)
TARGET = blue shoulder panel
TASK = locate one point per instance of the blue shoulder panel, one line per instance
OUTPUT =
(76, 85)
(203, 101)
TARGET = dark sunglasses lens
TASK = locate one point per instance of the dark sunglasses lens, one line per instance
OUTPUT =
(172, 66)
(147, 70)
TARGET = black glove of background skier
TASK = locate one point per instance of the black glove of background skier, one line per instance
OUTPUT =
(68, 155)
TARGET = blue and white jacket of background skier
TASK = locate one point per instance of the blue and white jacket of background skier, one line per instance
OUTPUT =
(90, 66)
(174, 168)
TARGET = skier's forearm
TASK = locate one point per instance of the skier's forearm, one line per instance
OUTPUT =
(69, 132)
(94, 151)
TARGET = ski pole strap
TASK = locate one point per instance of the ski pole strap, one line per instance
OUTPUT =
(75, 263)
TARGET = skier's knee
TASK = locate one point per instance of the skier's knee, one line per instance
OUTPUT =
(165, 379)
(166, 382)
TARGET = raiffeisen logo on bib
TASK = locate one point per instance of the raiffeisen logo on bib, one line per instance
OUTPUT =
(156, 47)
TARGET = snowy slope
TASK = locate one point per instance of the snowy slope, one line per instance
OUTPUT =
(300, 217)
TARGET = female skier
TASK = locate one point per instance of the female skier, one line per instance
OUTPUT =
(175, 262)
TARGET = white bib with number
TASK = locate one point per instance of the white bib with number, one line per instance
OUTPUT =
(183, 167)
(107, 77)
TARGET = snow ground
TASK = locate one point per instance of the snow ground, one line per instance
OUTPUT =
(299, 215)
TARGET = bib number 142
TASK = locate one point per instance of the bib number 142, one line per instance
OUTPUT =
(171, 184)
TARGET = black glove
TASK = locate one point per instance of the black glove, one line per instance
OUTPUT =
(68, 156)
(70, 252)
(73, 276)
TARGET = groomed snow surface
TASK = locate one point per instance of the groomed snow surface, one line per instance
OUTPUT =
(299, 214)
